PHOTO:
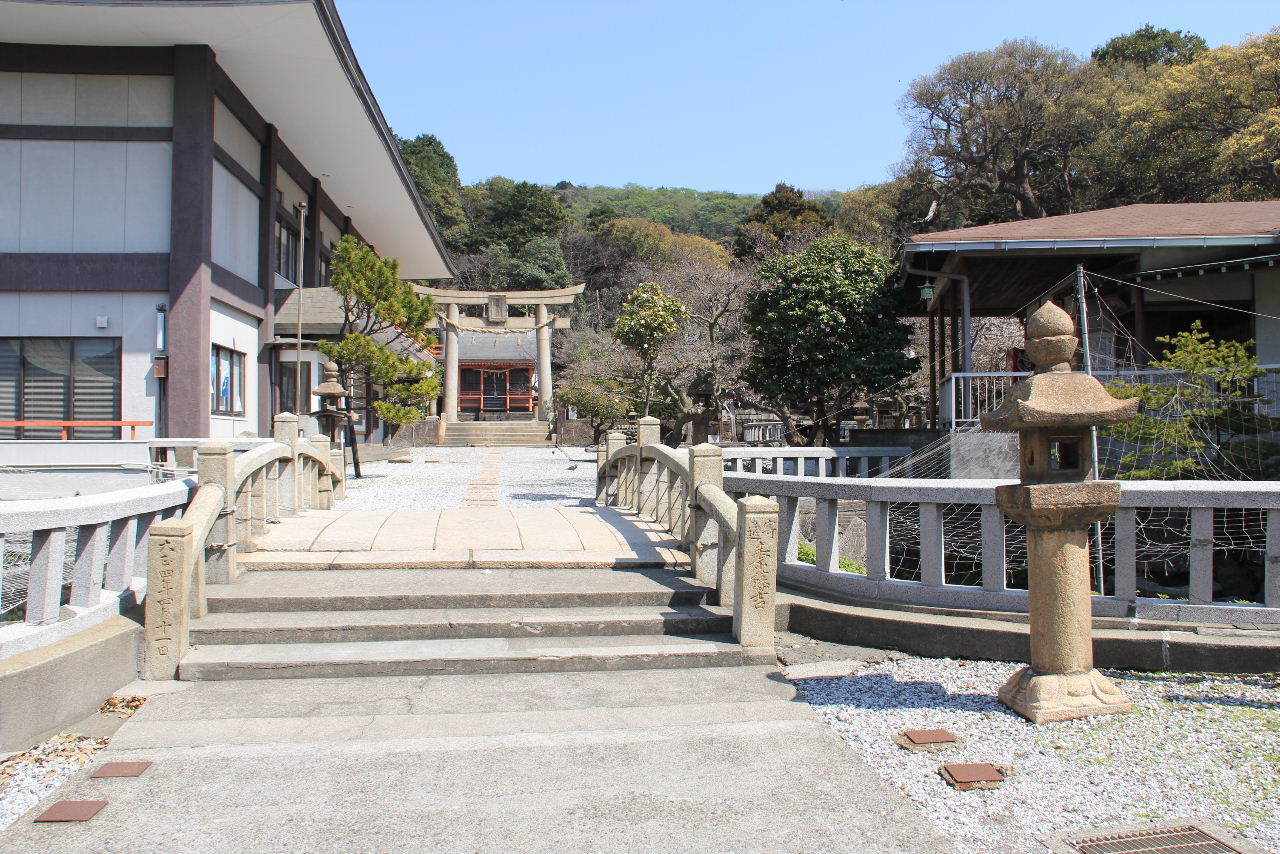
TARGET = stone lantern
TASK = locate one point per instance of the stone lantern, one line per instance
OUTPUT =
(1057, 500)
(330, 392)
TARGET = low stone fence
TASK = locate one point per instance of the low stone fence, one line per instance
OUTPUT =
(854, 461)
(733, 543)
(71, 563)
(945, 543)
(238, 496)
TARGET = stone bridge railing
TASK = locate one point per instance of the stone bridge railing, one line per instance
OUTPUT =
(935, 542)
(71, 563)
(732, 543)
(945, 543)
(237, 496)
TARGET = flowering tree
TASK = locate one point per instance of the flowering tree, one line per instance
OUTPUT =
(826, 332)
(649, 320)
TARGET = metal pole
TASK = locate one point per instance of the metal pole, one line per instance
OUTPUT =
(1083, 309)
(301, 273)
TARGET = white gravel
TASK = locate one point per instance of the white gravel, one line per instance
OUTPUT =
(27, 777)
(1197, 747)
(437, 479)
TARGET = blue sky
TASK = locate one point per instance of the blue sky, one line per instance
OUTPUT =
(711, 94)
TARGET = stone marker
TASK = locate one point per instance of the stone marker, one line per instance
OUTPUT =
(1056, 500)
(980, 775)
(71, 811)
(120, 769)
(927, 740)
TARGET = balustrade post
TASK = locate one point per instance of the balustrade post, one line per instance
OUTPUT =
(90, 564)
(646, 485)
(788, 529)
(993, 549)
(706, 466)
(258, 488)
(662, 495)
(755, 573)
(284, 429)
(827, 534)
(216, 469)
(338, 462)
(271, 502)
(932, 545)
(44, 582)
(608, 490)
(605, 479)
(877, 516)
(325, 480)
(171, 557)
(244, 515)
(122, 548)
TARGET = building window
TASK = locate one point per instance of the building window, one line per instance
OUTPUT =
(286, 240)
(322, 278)
(226, 381)
(59, 379)
(288, 385)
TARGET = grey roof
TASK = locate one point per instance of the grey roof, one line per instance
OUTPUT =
(487, 347)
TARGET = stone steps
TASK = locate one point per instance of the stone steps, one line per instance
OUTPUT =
(276, 627)
(457, 656)
(399, 589)
(498, 433)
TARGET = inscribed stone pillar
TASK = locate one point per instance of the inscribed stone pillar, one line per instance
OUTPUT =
(542, 317)
(451, 363)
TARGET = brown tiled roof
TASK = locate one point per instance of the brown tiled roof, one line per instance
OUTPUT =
(1201, 219)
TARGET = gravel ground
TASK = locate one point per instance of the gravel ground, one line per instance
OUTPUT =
(27, 777)
(547, 476)
(437, 479)
(1199, 746)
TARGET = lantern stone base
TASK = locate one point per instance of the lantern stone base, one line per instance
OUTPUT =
(1048, 697)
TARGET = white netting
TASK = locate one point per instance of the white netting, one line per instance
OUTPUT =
(1196, 427)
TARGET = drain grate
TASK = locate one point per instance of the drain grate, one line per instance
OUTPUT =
(1154, 839)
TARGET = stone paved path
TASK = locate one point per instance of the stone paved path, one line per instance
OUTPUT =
(697, 760)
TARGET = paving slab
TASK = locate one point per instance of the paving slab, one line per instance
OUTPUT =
(478, 527)
(408, 530)
(539, 763)
(353, 530)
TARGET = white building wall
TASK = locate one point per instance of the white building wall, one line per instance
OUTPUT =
(235, 139)
(130, 317)
(291, 192)
(235, 225)
(119, 100)
(84, 196)
(235, 330)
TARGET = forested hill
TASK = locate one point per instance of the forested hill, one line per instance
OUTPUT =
(711, 214)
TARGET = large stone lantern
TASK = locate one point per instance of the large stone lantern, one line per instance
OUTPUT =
(330, 392)
(1057, 500)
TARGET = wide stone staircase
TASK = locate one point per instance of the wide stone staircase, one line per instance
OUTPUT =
(497, 433)
(385, 622)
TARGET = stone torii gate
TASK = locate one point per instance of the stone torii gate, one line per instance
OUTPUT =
(498, 321)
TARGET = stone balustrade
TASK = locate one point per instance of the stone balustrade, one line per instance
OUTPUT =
(238, 496)
(732, 543)
(918, 530)
(71, 563)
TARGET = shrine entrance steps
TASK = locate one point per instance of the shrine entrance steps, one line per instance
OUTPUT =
(380, 622)
(495, 433)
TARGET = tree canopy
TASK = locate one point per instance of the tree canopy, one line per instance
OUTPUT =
(1148, 46)
(826, 332)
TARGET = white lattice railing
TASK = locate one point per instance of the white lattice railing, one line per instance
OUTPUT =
(964, 396)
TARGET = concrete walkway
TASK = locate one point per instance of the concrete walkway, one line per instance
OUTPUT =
(696, 760)
(551, 536)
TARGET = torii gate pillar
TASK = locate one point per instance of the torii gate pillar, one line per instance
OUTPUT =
(496, 320)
